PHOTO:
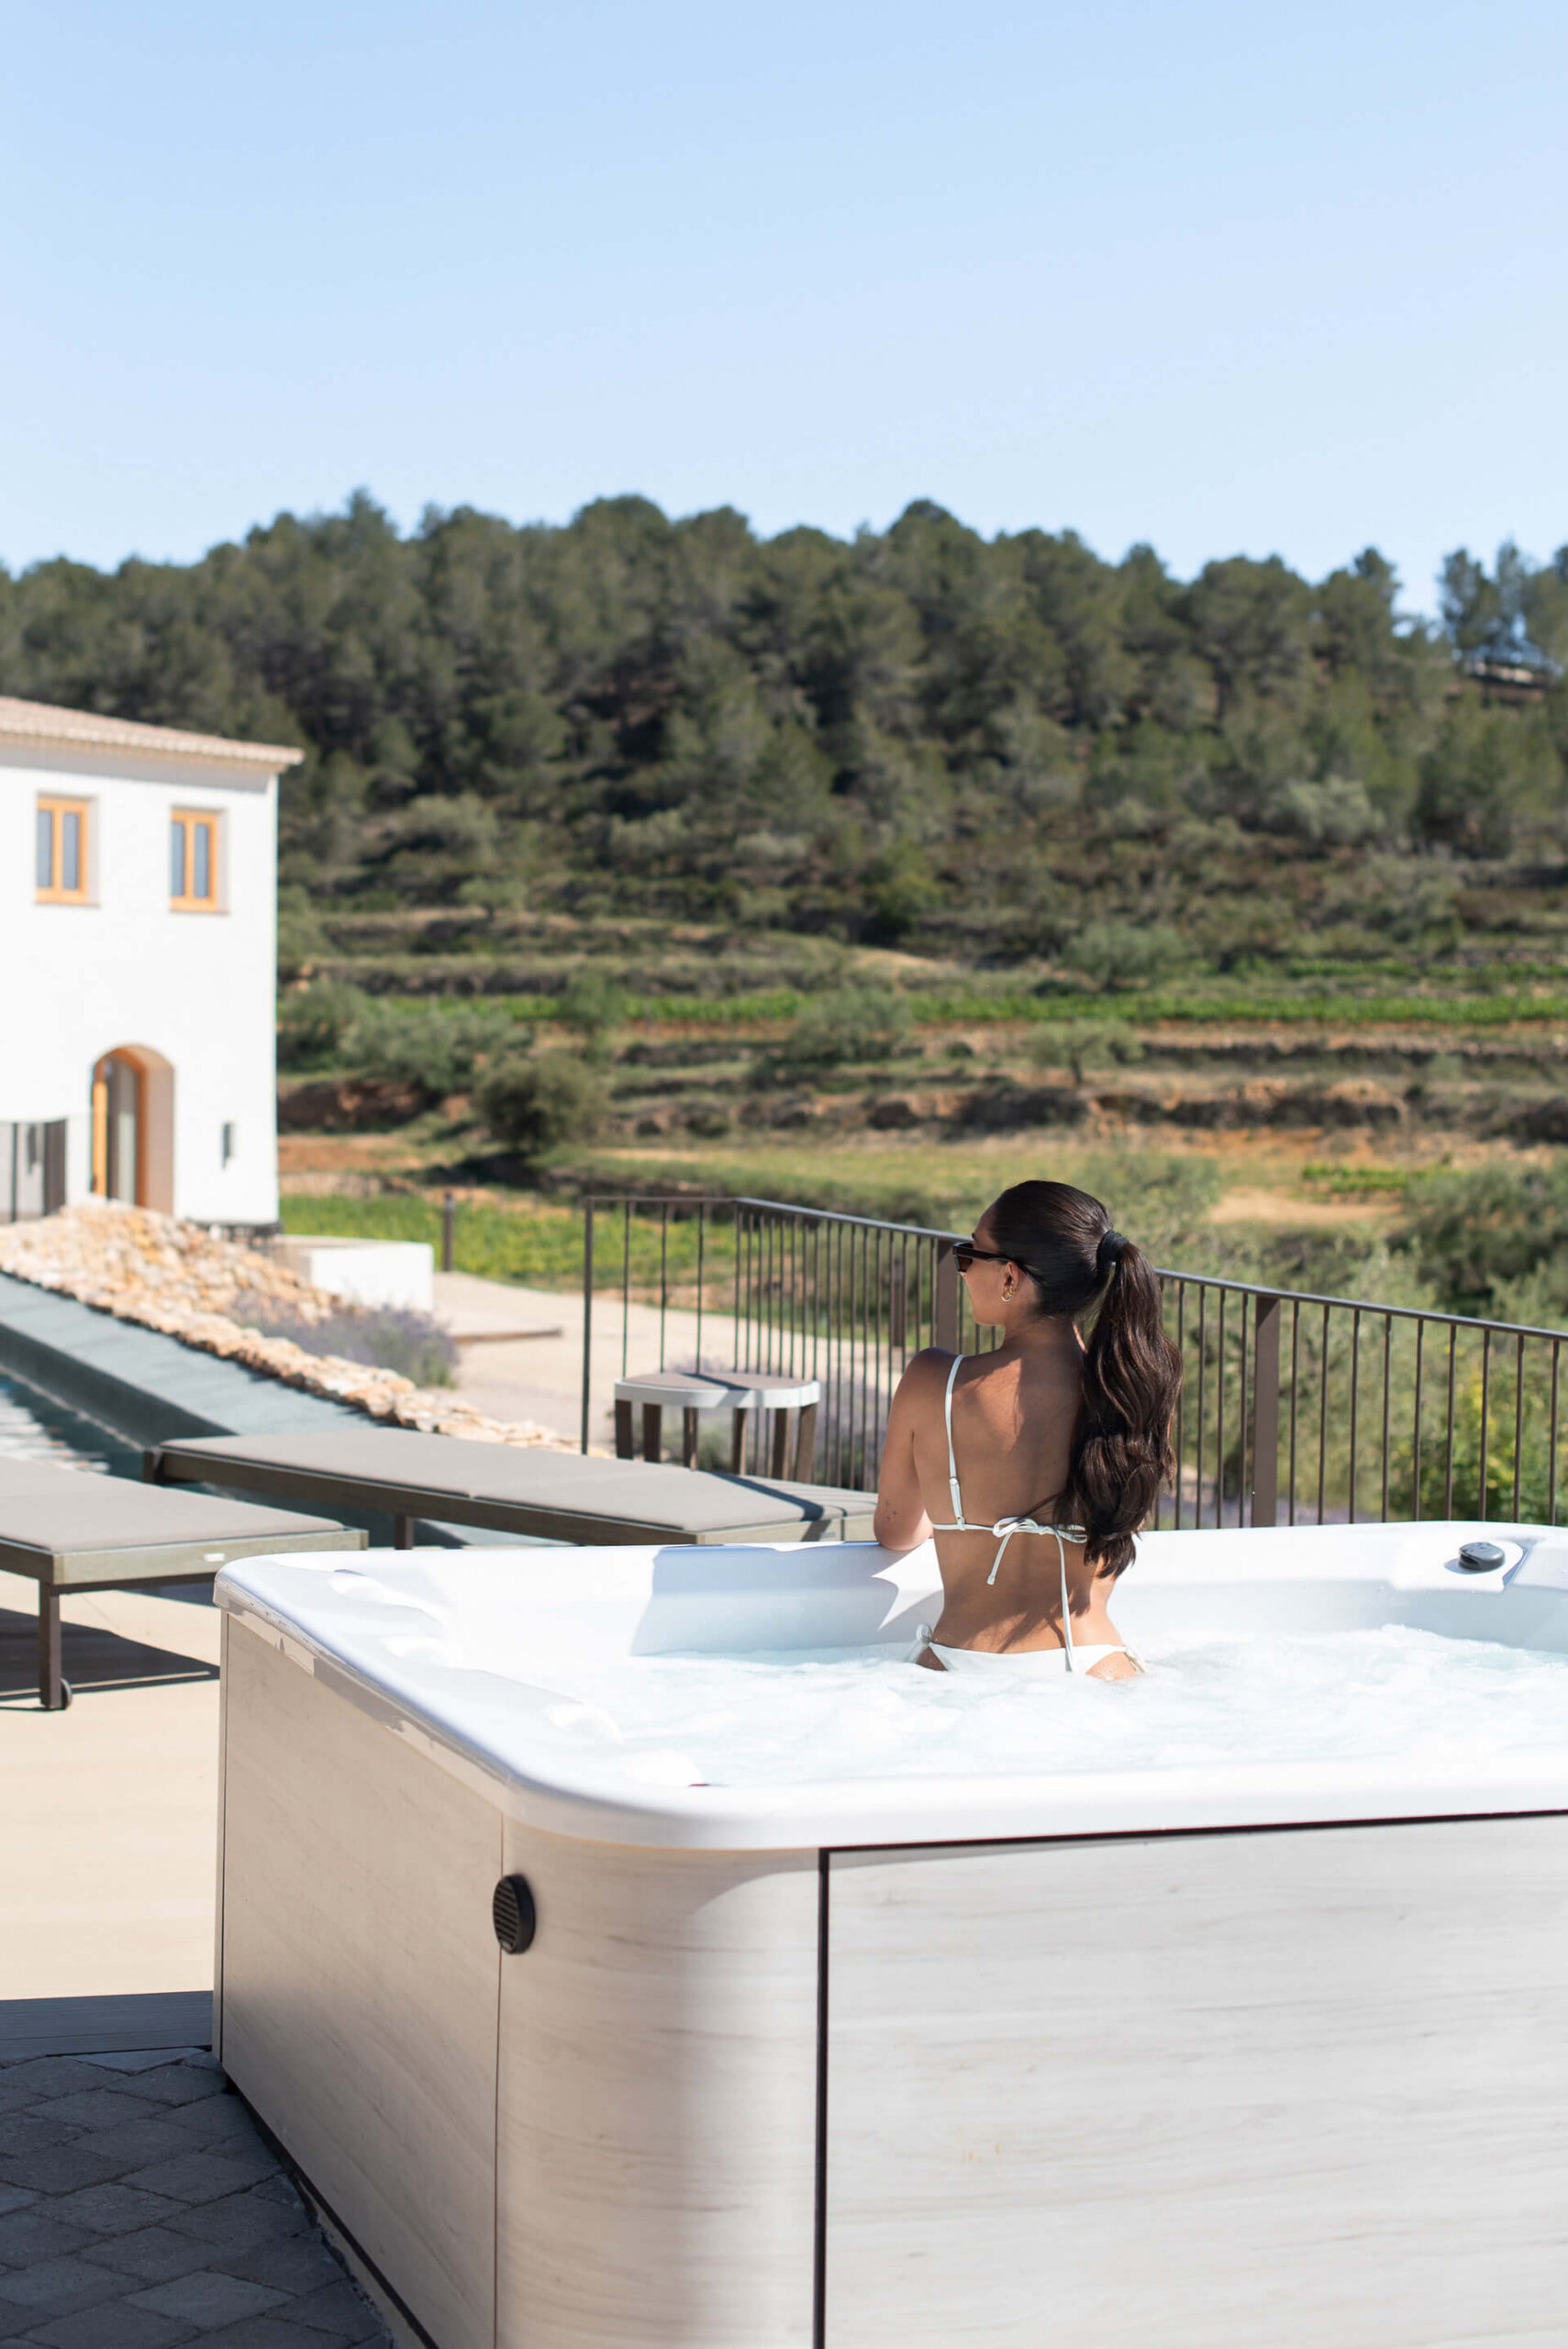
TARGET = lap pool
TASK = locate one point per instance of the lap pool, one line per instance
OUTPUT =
(863, 2009)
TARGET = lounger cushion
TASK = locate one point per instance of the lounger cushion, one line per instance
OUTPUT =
(518, 1490)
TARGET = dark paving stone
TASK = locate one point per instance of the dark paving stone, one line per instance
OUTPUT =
(197, 2177)
(337, 2310)
(21, 2324)
(150, 2059)
(258, 2333)
(114, 2326)
(295, 2264)
(208, 2298)
(243, 2223)
(142, 2209)
(215, 2120)
(20, 2132)
(58, 2170)
(153, 2255)
(98, 2107)
(180, 2083)
(48, 2076)
(32, 2235)
(280, 2189)
(113, 2210)
(137, 2143)
(59, 2286)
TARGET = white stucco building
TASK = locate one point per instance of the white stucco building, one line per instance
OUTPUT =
(137, 950)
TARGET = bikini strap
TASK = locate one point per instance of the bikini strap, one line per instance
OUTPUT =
(954, 1496)
(1006, 1527)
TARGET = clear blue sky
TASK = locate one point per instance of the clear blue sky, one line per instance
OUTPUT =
(1226, 278)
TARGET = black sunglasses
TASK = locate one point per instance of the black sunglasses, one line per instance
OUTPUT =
(966, 1254)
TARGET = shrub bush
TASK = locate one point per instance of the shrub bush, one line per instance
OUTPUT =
(314, 1021)
(593, 1005)
(900, 887)
(537, 1106)
(302, 934)
(1474, 1235)
(1082, 1044)
(707, 1119)
(1113, 954)
(1335, 813)
(852, 1023)
(389, 1336)
(436, 1047)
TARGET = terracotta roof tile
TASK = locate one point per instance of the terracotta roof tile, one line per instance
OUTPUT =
(41, 721)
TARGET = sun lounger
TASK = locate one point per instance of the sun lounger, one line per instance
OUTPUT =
(70, 1530)
(557, 1496)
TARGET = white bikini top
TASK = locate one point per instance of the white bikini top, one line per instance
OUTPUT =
(1082, 1659)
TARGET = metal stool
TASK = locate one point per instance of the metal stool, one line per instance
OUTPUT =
(738, 1391)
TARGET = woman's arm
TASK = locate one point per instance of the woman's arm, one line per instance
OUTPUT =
(901, 1522)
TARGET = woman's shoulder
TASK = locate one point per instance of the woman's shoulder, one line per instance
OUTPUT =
(926, 1373)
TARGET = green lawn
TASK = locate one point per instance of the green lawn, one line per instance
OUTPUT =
(535, 1243)
(539, 1242)
(1356, 1003)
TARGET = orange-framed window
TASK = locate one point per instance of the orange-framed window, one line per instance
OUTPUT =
(193, 862)
(60, 871)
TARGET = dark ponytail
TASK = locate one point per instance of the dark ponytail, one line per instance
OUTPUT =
(1120, 1456)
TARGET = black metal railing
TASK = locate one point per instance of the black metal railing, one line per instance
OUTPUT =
(1294, 1409)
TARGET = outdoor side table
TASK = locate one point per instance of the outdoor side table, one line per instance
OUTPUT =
(738, 1391)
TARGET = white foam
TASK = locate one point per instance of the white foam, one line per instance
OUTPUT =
(772, 1720)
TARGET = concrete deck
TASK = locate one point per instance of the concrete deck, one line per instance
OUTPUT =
(541, 1377)
(108, 1831)
(140, 2207)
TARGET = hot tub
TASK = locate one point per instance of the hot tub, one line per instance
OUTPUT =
(1265, 2053)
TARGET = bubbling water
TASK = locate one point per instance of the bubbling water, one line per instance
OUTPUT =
(796, 1719)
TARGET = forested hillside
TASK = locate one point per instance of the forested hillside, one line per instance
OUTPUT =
(984, 749)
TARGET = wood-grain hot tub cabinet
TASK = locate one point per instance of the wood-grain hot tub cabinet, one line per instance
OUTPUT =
(1275, 2055)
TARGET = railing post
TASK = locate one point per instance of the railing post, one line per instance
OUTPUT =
(1265, 1409)
(946, 1330)
(448, 1231)
(587, 1310)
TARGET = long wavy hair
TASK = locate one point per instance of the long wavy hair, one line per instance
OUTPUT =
(1120, 1458)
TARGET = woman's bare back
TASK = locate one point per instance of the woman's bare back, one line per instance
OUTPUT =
(1013, 1416)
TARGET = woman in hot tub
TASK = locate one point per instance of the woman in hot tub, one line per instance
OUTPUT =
(1035, 1465)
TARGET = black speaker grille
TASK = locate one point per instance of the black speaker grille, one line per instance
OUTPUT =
(512, 1914)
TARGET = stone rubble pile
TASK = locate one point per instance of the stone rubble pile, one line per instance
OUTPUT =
(177, 1278)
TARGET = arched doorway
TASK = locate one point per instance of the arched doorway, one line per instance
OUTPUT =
(133, 1128)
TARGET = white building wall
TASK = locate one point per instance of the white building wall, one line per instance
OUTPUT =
(126, 970)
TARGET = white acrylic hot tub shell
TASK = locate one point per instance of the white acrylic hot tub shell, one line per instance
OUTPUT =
(1009, 2061)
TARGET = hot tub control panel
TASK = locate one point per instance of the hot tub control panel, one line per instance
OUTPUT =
(1534, 1560)
(1479, 1557)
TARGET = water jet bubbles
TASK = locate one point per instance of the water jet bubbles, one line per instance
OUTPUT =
(587, 1720)
(1210, 1700)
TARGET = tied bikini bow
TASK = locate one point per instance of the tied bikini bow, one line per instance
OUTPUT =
(1005, 1526)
